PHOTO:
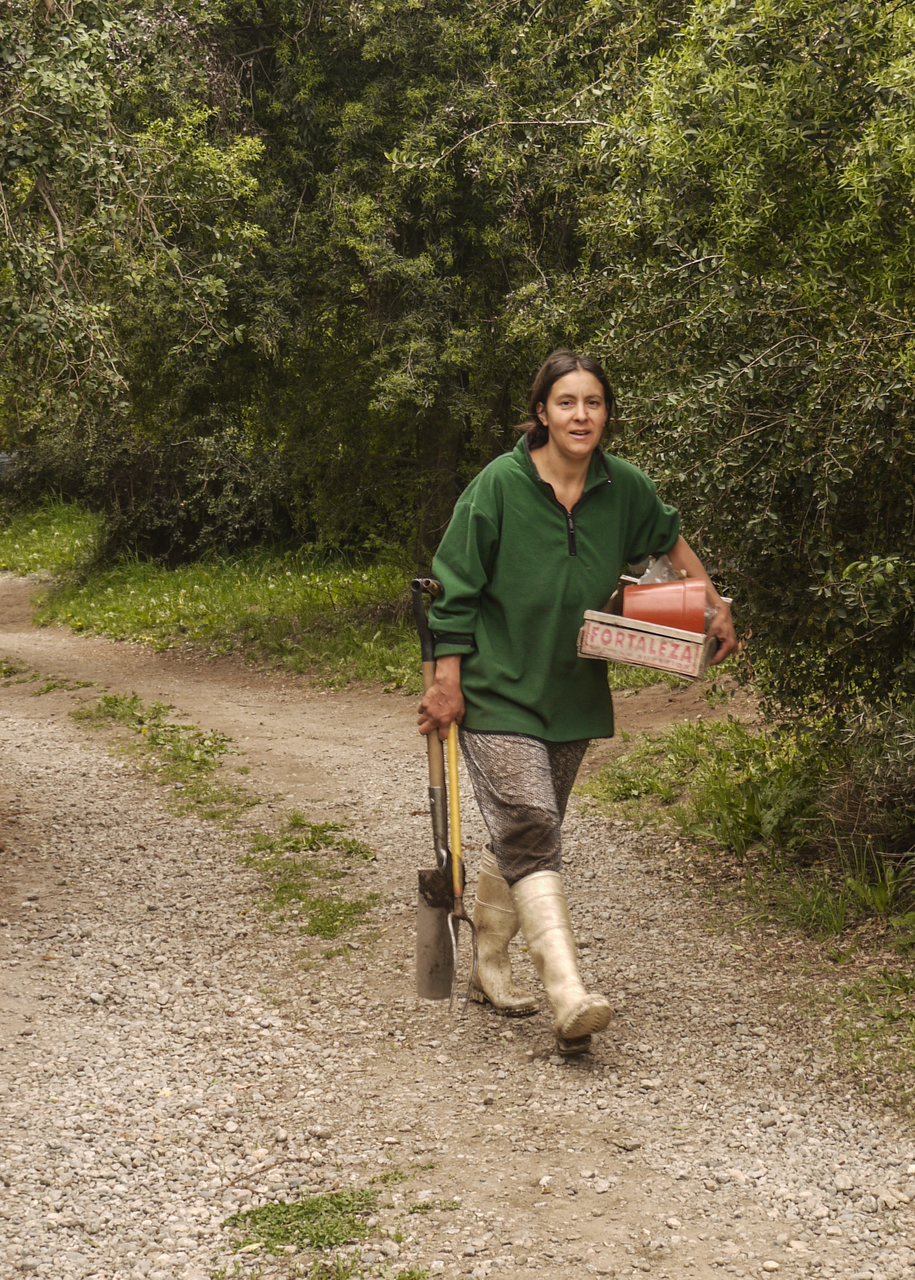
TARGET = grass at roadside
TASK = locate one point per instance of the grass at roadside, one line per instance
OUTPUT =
(718, 781)
(757, 810)
(762, 799)
(57, 537)
(293, 608)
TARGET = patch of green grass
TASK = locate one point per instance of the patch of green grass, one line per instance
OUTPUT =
(299, 609)
(639, 774)
(10, 668)
(662, 768)
(50, 686)
(329, 917)
(299, 837)
(317, 1222)
(391, 1177)
(737, 788)
(291, 877)
(880, 887)
(812, 900)
(335, 1269)
(357, 849)
(179, 754)
(57, 537)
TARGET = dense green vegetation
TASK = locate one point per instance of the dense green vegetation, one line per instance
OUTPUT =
(280, 270)
(274, 269)
(276, 274)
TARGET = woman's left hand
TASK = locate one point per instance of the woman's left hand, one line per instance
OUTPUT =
(722, 628)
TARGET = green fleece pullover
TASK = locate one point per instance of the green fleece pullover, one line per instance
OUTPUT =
(519, 571)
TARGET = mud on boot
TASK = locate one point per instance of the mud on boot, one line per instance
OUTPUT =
(497, 923)
(544, 914)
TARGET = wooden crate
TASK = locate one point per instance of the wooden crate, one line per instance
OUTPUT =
(644, 644)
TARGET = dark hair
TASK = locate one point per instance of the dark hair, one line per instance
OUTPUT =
(557, 364)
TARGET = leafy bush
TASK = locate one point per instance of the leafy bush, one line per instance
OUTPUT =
(160, 497)
(753, 264)
(869, 806)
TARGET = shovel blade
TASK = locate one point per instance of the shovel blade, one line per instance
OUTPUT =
(434, 950)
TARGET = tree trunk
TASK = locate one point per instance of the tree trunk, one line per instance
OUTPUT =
(439, 483)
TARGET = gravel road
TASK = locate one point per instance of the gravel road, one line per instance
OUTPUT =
(170, 1053)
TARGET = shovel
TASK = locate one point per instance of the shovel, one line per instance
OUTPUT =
(440, 904)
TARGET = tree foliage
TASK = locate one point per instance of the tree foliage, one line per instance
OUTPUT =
(751, 237)
(343, 234)
(121, 206)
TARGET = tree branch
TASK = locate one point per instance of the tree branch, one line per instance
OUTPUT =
(41, 186)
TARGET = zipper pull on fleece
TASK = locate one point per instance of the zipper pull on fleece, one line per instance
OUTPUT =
(570, 524)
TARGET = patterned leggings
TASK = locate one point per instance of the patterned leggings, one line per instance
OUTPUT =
(522, 786)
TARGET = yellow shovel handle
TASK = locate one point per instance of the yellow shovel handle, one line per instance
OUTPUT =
(454, 807)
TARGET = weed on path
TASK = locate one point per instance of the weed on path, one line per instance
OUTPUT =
(291, 877)
(180, 755)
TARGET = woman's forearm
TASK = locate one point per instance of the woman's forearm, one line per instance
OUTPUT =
(682, 556)
(448, 670)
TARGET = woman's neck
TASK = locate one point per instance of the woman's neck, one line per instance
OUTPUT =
(567, 476)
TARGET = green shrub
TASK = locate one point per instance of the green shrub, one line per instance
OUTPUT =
(159, 496)
(869, 807)
(737, 787)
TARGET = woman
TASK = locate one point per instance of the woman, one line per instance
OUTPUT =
(540, 535)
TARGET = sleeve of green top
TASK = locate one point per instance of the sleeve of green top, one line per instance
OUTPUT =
(655, 526)
(462, 563)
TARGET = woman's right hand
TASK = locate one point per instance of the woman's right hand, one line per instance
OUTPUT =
(443, 701)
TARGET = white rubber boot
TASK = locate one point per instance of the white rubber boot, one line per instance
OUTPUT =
(540, 901)
(497, 923)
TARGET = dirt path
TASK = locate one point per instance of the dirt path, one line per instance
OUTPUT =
(172, 1053)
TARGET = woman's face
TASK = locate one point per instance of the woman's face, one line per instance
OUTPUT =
(575, 414)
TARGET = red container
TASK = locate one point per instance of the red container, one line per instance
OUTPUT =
(668, 604)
